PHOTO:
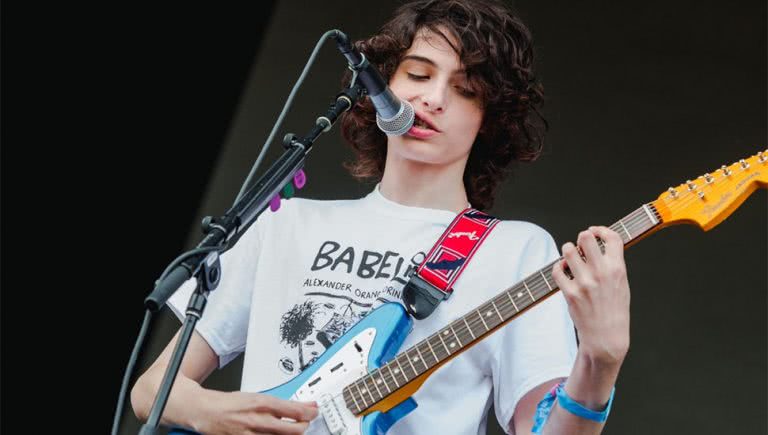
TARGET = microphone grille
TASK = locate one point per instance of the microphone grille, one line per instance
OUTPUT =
(398, 124)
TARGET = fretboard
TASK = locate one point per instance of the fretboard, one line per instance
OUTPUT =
(469, 329)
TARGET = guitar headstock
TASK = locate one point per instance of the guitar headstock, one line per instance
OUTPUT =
(710, 198)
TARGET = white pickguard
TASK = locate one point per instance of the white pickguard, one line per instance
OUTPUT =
(325, 387)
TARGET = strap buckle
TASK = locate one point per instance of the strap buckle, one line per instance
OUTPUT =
(421, 297)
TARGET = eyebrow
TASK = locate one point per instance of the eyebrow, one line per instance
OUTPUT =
(430, 62)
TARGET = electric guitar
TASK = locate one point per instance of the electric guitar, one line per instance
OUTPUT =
(363, 385)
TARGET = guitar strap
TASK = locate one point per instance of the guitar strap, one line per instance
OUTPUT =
(432, 282)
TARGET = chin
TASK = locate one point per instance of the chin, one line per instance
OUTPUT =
(418, 150)
(424, 151)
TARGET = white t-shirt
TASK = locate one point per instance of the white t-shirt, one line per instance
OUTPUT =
(299, 278)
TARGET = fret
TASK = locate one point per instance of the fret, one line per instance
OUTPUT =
(482, 320)
(629, 236)
(393, 375)
(468, 328)
(360, 393)
(512, 300)
(381, 380)
(373, 382)
(529, 290)
(367, 389)
(437, 345)
(507, 310)
(427, 352)
(352, 395)
(376, 386)
(489, 317)
(501, 318)
(443, 341)
(545, 280)
(421, 357)
(643, 222)
(413, 359)
(415, 373)
(455, 336)
(433, 351)
(400, 369)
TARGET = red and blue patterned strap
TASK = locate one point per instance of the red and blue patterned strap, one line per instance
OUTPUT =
(433, 280)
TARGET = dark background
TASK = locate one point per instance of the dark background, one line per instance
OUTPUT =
(122, 125)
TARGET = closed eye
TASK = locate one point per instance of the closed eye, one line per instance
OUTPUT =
(417, 77)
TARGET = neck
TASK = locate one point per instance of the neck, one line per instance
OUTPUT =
(417, 184)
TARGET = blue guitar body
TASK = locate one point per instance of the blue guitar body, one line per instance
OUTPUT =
(373, 341)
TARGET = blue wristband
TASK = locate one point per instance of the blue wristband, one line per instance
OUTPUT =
(578, 409)
(544, 408)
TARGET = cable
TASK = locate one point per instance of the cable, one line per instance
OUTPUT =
(287, 105)
(129, 370)
(182, 257)
(140, 340)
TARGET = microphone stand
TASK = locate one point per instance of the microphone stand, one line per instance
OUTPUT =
(222, 233)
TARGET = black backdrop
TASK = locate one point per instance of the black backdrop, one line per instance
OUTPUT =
(122, 125)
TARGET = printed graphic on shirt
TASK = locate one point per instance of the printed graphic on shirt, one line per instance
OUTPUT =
(363, 280)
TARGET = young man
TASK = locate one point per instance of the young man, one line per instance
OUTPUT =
(300, 278)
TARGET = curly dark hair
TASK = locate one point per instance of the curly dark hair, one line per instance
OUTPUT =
(496, 50)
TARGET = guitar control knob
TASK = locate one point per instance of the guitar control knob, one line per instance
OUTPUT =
(274, 203)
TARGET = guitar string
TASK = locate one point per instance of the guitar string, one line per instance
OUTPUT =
(638, 219)
(536, 286)
(499, 303)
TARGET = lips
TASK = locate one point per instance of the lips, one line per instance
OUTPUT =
(426, 121)
(421, 133)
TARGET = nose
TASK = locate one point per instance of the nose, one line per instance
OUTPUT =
(433, 97)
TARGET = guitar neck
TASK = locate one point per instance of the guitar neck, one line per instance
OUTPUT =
(705, 201)
(420, 360)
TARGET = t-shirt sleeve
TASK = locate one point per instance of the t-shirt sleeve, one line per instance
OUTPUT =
(224, 323)
(539, 345)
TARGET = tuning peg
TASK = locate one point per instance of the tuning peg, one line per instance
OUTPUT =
(691, 185)
(726, 171)
(274, 203)
(672, 192)
(709, 178)
(744, 164)
(761, 157)
(299, 179)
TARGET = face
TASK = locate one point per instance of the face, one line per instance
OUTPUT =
(432, 79)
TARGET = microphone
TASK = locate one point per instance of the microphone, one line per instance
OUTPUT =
(393, 115)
